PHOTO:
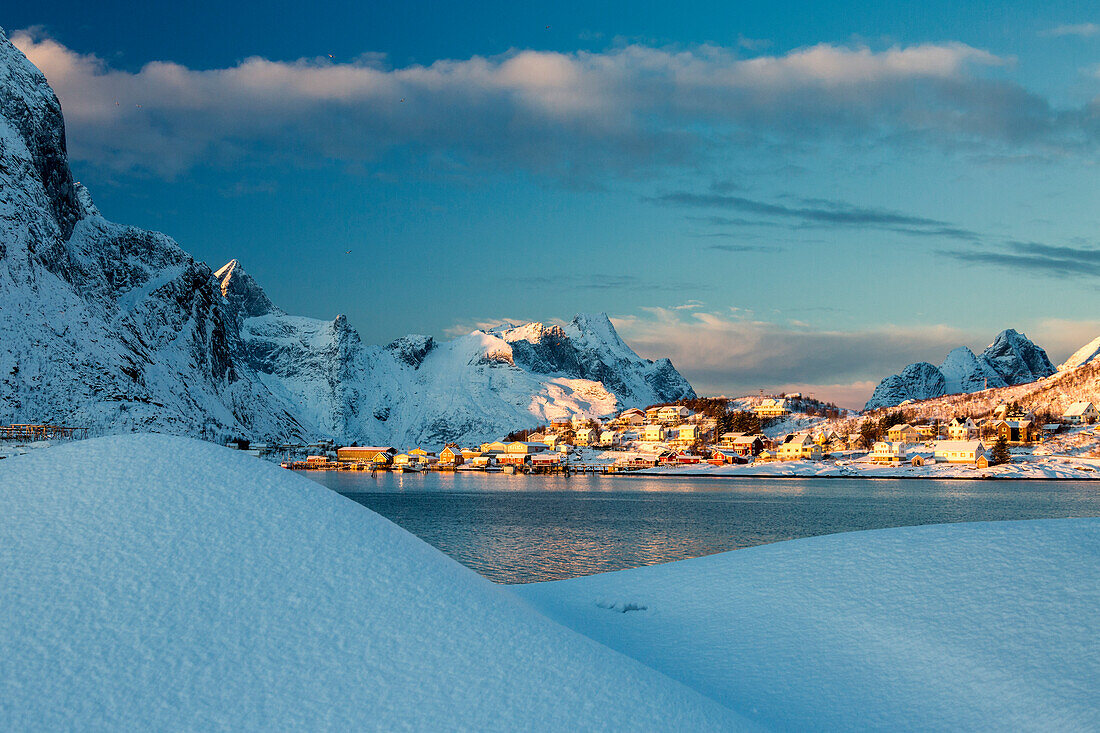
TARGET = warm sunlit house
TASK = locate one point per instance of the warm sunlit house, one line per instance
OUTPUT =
(772, 408)
(366, 454)
(687, 434)
(587, 436)
(903, 433)
(962, 429)
(958, 451)
(1080, 413)
(801, 447)
(451, 456)
(653, 433)
(672, 414)
(887, 452)
(748, 445)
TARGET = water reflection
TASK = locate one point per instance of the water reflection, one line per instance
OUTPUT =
(518, 529)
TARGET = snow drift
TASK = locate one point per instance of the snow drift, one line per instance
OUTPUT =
(116, 329)
(988, 626)
(153, 583)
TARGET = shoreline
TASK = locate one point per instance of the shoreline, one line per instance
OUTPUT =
(724, 476)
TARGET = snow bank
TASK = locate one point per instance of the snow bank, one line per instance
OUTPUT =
(948, 627)
(152, 582)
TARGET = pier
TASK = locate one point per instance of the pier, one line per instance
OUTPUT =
(41, 432)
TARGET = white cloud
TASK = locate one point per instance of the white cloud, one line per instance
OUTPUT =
(1084, 30)
(722, 353)
(620, 110)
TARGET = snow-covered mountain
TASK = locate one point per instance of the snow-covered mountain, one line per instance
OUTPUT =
(417, 389)
(1011, 359)
(116, 328)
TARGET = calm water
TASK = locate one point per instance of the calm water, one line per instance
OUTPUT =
(520, 529)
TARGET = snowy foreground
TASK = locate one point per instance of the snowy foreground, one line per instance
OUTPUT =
(945, 627)
(159, 582)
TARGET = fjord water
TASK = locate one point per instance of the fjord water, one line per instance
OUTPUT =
(522, 529)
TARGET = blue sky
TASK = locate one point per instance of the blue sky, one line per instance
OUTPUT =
(773, 194)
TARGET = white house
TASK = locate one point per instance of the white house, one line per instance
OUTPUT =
(586, 436)
(610, 437)
(633, 416)
(1080, 413)
(772, 408)
(958, 451)
(960, 429)
(887, 452)
(653, 433)
(671, 414)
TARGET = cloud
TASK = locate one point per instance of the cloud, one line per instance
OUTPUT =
(723, 354)
(1036, 257)
(817, 213)
(1083, 30)
(622, 111)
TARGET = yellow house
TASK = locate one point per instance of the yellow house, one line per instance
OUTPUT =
(801, 447)
(903, 433)
(653, 433)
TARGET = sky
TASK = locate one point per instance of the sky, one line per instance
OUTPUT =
(780, 195)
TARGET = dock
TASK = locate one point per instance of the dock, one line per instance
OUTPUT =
(43, 431)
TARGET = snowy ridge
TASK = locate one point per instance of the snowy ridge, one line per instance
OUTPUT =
(1011, 359)
(115, 329)
(1085, 355)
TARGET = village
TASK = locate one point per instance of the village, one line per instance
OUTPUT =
(782, 435)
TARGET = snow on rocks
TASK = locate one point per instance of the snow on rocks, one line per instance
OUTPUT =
(153, 582)
(946, 627)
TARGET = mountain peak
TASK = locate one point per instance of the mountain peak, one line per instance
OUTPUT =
(245, 296)
(29, 107)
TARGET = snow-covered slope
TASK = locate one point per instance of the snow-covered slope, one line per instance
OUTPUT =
(985, 626)
(1011, 359)
(160, 583)
(964, 372)
(115, 328)
(1082, 356)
